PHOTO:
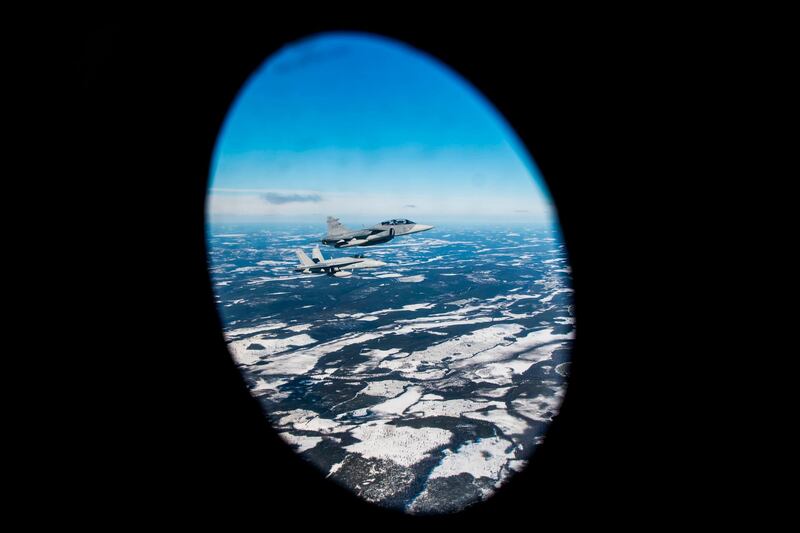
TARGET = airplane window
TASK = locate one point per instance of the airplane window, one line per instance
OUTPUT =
(359, 93)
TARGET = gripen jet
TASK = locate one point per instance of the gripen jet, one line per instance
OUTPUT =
(341, 237)
(340, 267)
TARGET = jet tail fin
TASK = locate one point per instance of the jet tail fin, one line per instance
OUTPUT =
(335, 227)
(304, 259)
(317, 255)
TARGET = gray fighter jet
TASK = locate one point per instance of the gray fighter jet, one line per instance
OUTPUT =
(340, 267)
(341, 237)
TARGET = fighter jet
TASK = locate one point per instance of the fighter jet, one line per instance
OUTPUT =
(341, 237)
(340, 267)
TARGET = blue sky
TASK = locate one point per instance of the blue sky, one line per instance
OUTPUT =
(365, 128)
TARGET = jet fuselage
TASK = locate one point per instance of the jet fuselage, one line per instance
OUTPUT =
(339, 267)
(341, 237)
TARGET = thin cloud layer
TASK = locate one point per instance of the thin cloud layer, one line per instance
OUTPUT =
(280, 199)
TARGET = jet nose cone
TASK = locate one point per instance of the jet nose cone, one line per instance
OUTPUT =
(380, 264)
(421, 227)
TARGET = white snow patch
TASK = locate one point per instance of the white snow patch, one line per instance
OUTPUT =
(508, 424)
(482, 458)
(536, 346)
(494, 393)
(375, 357)
(461, 302)
(513, 297)
(266, 386)
(380, 354)
(499, 373)
(417, 307)
(432, 397)
(335, 468)
(402, 444)
(300, 327)
(262, 280)
(461, 347)
(301, 443)
(301, 361)
(426, 324)
(517, 465)
(550, 296)
(303, 419)
(542, 408)
(452, 408)
(388, 388)
(246, 269)
(400, 403)
(244, 356)
(253, 329)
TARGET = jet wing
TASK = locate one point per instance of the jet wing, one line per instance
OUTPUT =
(350, 243)
(324, 265)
